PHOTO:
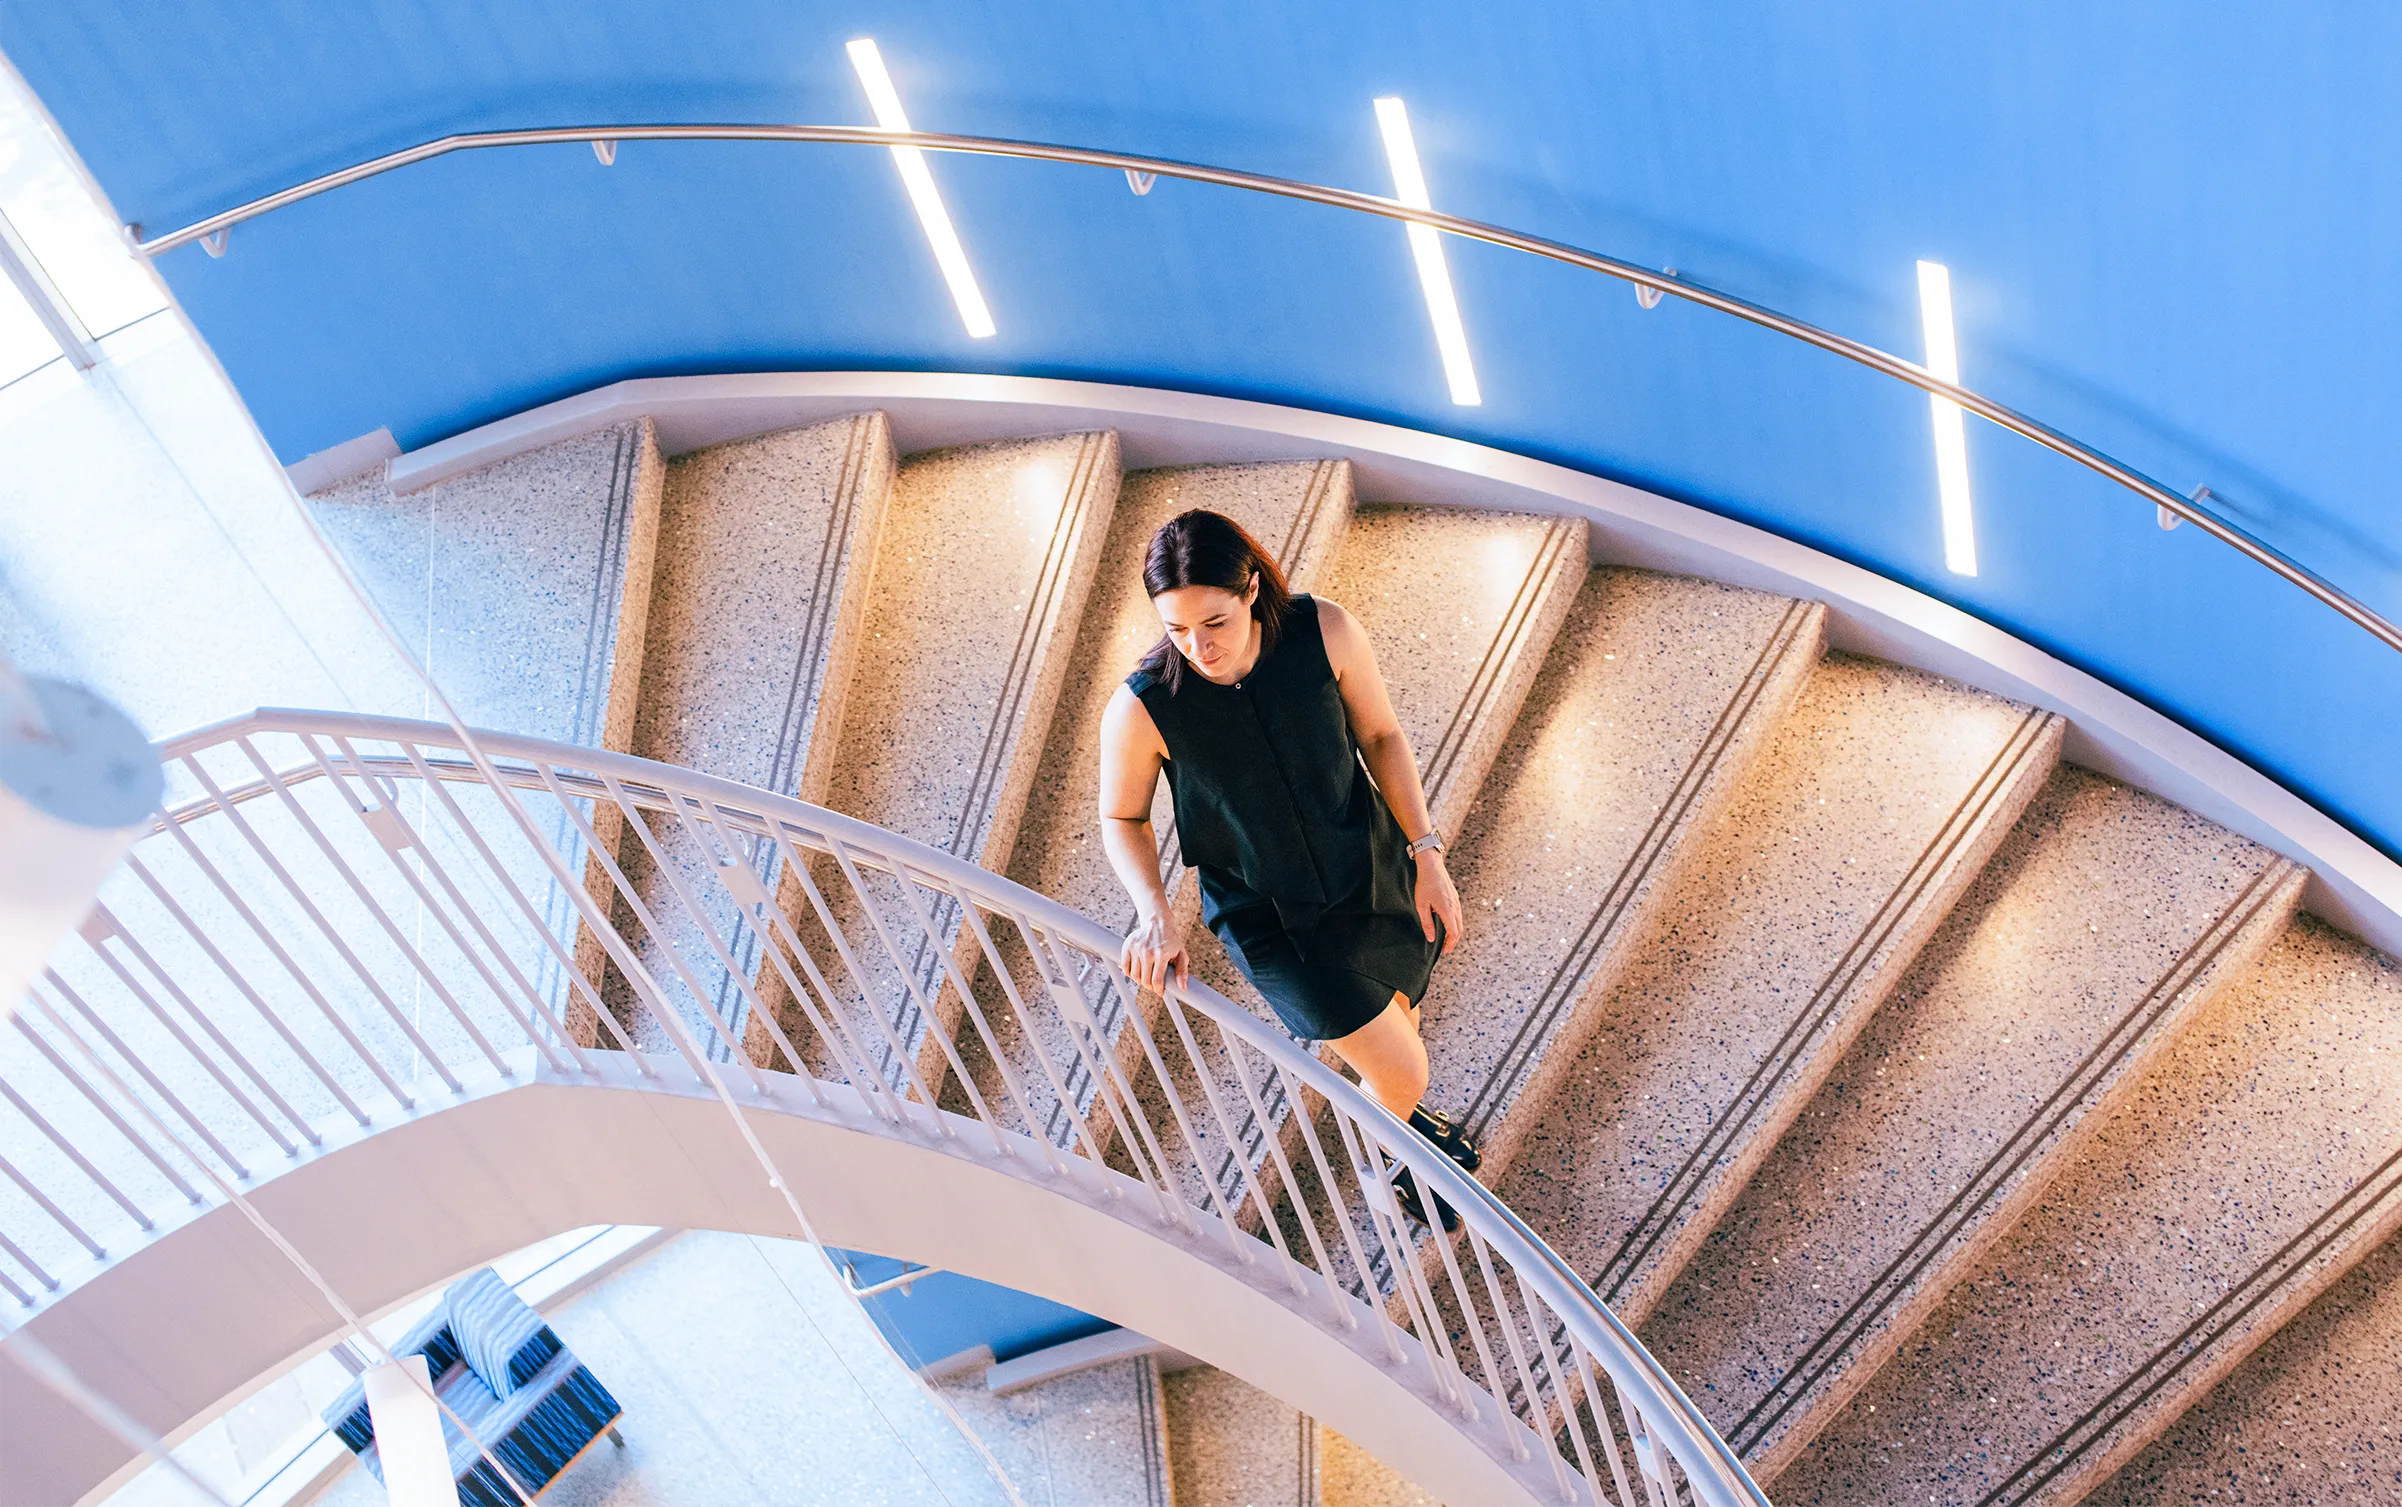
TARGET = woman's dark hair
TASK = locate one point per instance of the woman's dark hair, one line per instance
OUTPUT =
(1202, 548)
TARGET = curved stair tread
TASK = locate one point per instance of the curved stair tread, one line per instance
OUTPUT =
(2095, 933)
(2255, 1161)
(2311, 1416)
(765, 546)
(1657, 693)
(1093, 1438)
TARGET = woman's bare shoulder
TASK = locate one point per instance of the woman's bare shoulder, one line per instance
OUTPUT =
(1127, 722)
(1345, 639)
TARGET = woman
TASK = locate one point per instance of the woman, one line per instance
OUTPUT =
(1298, 805)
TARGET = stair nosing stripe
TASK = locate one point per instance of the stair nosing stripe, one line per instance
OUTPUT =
(1491, 669)
(2268, 1276)
(615, 509)
(785, 763)
(1976, 803)
(1559, 990)
(1995, 1173)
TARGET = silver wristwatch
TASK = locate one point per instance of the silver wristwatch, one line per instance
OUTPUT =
(1432, 841)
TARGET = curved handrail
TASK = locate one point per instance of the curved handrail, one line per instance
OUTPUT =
(333, 817)
(1896, 367)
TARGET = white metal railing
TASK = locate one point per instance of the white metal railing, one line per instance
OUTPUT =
(342, 919)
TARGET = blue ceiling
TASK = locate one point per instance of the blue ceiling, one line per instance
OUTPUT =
(2171, 229)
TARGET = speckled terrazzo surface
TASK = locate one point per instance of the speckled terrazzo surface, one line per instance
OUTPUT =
(1650, 701)
(987, 551)
(1349, 1476)
(1461, 608)
(758, 541)
(2095, 929)
(1094, 1438)
(1764, 957)
(524, 587)
(2161, 1255)
(2313, 1417)
(1232, 1445)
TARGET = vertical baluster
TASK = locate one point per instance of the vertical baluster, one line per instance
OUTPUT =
(42, 1278)
(107, 1110)
(366, 897)
(1647, 1448)
(974, 918)
(65, 991)
(1112, 1087)
(822, 1006)
(68, 1149)
(864, 1072)
(1417, 1300)
(646, 984)
(692, 912)
(102, 916)
(902, 1053)
(1284, 1168)
(209, 948)
(1442, 1246)
(967, 998)
(1542, 1320)
(24, 1183)
(532, 916)
(714, 821)
(442, 918)
(1339, 1210)
(1228, 1223)
(332, 934)
(1602, 1427)
(1499, 1299)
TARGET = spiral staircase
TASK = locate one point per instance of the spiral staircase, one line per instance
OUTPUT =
(1950, 1120)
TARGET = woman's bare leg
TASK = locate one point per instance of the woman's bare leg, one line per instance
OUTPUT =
(1389, 1057)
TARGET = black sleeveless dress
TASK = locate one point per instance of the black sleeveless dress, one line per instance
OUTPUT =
(1305, 875)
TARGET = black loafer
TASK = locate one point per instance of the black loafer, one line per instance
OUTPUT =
(1405, 1193)
(1447, 1137)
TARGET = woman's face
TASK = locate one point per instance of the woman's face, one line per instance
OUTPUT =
(1211, 627)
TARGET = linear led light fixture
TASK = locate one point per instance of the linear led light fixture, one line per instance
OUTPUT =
(1426, 246)
(1951, 425)
(923, 196)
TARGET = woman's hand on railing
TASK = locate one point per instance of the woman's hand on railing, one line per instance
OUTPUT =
(1153, 951)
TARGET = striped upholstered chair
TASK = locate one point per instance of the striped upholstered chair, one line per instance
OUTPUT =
(502, 1370)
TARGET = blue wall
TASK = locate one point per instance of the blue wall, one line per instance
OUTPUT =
(943, 1313)
(2172, 232)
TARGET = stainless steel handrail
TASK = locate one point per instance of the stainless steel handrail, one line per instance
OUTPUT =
(2154, 492)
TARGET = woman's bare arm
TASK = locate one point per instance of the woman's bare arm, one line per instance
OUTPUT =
(1385, 749)
(1132, 755)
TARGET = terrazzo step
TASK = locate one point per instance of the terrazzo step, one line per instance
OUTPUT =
(1658, 694)
(1461, 608)
(987, 556)
(1093, 1438)
(2310, 1416)
(525, 590)
(757, 602)
(1349, 1476)
(2255, 1163)
(1232, 1445)
(1869, 809)
(2095, 933)
(1298, 510)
